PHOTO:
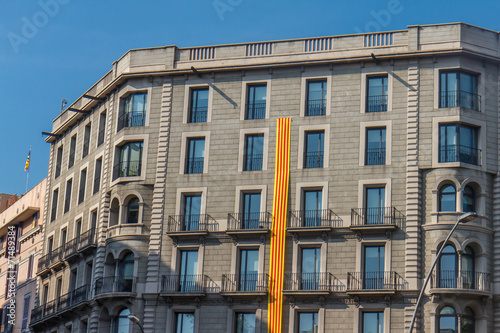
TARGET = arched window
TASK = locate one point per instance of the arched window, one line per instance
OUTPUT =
(469, 200)
(133, 211)
(447, 320)
(468, 324)
(447, 198)
(114, 212)
(448, 268)
(126, 273)
(122, 322)
(468, 269)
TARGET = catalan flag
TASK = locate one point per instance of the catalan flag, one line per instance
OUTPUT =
(27, 165)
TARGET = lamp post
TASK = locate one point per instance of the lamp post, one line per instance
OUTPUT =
(464, 218)
(135, 320)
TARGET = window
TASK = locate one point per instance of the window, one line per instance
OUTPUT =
(312, 207)
(374, 205)
(447, 198)
(78, 227)
(254, 147)
(192, 212)
(376, 97)
(31, 261)
(45, 294)
(310, 268)
(468, 323)
(64, 234)
(375, 146)
(374, 267)
(459, 89)
(188, 271)
(97, 175)
(184, 322)
(86, 140)
(447, 320)
(468, 268)
(447, 269)
(133, 211)
(314, 148)
(83, 181)
(126, 273)
(256, 103)
(251, 210)
(316, 98)
(67, 200)
(122, 322)
(195, 157)
(308, 322)
(468, 200)
(458, 143)
(58, 161)
(245, 322)
(26, 312)
(249, 269)
(373, 322)
(198, 107)
(72, 148)
(55, 196)
(134, 111)
(102, 129)
(130, 160)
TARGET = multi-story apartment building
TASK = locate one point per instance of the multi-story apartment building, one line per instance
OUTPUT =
(20, 248)
(175, 195)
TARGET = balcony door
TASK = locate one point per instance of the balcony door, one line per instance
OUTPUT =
(126, 273)
(251, 211)
(374, 205)
(310, 268)
(188, 271)
(374, 267)
(249, 268)
(192, 212)
(313, 201)
(448, 271)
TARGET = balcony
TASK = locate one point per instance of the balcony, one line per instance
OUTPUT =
(115, 286)
(191, 225)
(376, 103)
(311, 284)
(194, 165)
(198, 114)
(376, 219)
(127, 169)
(187, 285)
(373, 283)
(461, 282)
(375, 156)
(256, 111)
(71, 250)
(313, 220)
(460, 98)
(252, 162)
(249, 223)
(131, 119)
(313, 159)
(250, 284)
(87, 242)
(52, 260)
(316, 107)
(459, 153)
(79, 245)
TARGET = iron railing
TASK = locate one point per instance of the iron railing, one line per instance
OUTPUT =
(194, 165)
(192, 223)
(376, 103)
(61, 303)
(115, 284)
(312, 282)
(194, 283)
(316, 107)
(127, 169)
(375, 156)
(198, 114)
(314, 218)
(459, 153)
(252, 162)
(454, 279)
(377, 216)
(51, 258)
(460, 98)
(249, 221)
(372, 281)
(86, 239)
(256, 110)
(131, 119)
(250, 282)
(313, 159)
(71, 247)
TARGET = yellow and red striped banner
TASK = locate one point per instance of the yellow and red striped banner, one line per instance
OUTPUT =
(277, 262)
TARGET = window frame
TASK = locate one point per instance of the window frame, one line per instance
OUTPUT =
(133, 87)
(459, 73)
(254, 79)
(363, 128)
(315, 75)
(376, 71)
(185, 149)
(196, 83)
(144, 138)
(302, 144)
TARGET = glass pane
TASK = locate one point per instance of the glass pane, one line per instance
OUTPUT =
(251, 210)
(374, 266)
(376, 138)
(249, 267)
(192, 212)
(314, 141)
(313, 200)
(188, 270)
(377, 86)
(375, 203)
(185, 323)
(373, 322)
(308, 322)
(122, 325)
(451, 81)
(316, 90)
(245, 323)
(197, 148)
(139, 102)
(310, 269)
(447, 199)
(199, 98)
(257, 94)
(133, 211)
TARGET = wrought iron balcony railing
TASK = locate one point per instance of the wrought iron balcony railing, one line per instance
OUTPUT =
(250, 282)
(446, 279)
(192, 223)
(115, 284)
(252, 162)
(51, 258)
(313, 159)
(194, 165)
(460, 98)
(314, 219)
(376, 103)
(358, 281)
(375, 156)
(316, 107)
(256, 110)
(376, 216)
(198, 114)
(127, 169)
(312, 282)
(194, 283)
(87, 239)
(459, 153)
(249, 221)
(131, 119)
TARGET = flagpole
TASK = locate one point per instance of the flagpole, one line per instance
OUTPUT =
(28, 176)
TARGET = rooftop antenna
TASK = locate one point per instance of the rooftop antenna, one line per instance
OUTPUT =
(64, 102)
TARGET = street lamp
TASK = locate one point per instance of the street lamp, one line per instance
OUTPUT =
(135, 320)
(464, 218)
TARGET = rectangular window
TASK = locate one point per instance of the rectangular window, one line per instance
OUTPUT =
(308, 322)
(195, 157)
(198, 105)
(64, 236)
(26, 312)
(376, 97)
(310, 268)
(36, 216)
(67, 200)
(254, 148)
(83, 326)
(316, 98)
(250, 210)
(312, 207)
(55, 197)
(256, 101)
(314, 149)
(245, 322)
(58, 161)
(188, 271)
(31, 260)
(374, 266)
(58, 288)
(97, 175)
(192, 212)
(45, 294)
(373, 322)
(134, 111)
(184, 322)
(86, 140)
(249, 270)
(78, 227)
(72, 148)
(93, 219)
(458, 143)
(102, 129)
(374, 205)
(83, 181)
(375, 146)
(129, 160)
(459, 89)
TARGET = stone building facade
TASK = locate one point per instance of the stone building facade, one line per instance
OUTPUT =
(160, 189)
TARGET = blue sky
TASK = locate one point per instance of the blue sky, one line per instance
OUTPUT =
(53, 49)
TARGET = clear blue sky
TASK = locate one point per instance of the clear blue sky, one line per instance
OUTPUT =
(49, 52)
